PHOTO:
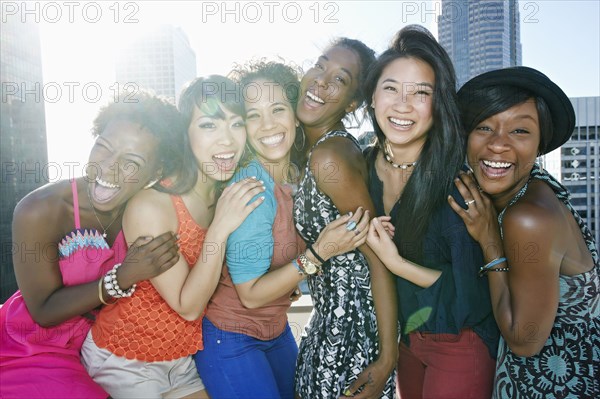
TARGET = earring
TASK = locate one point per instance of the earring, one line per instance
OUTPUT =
(151, 183)
(300, 147)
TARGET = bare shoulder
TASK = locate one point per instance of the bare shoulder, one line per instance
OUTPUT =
(47, 205)
(538, 216)
(148, 204)
(337, 149)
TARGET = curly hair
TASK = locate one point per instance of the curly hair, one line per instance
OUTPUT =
(283, 75)
(286, 76)
(158, 116)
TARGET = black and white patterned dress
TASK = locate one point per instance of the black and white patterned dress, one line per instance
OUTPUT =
(340, 339)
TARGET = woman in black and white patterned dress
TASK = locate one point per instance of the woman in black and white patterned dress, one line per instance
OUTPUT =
(345, 349)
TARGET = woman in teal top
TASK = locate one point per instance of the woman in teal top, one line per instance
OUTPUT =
(249, 350)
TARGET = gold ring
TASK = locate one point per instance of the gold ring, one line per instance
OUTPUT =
(347, 392)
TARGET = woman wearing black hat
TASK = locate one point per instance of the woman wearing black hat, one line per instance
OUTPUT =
(541, 260)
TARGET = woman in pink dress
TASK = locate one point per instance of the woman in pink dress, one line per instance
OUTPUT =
(68, 236)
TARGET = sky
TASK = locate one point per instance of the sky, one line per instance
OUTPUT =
(81, 39)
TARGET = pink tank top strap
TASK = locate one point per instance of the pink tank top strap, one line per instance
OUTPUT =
(75, 203)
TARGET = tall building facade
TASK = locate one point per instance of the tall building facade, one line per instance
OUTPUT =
(480, 36)
(580, 162)
(161, 60)
(23, 145)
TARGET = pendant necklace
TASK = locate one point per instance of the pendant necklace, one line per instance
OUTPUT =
(96, 215)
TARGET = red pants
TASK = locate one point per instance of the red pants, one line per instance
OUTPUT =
(445, 366)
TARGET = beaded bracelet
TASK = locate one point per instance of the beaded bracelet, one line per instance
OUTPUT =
(316, 255)
(484, 269)
(499, 269)
(112, 286)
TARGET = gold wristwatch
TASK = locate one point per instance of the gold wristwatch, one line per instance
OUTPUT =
(308, 266)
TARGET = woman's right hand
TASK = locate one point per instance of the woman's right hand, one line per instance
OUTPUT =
(339, 237)
(148, 257)
(234, 204)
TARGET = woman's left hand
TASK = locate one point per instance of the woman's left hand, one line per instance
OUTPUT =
(380, 241)
(480, 216)
(372, 380)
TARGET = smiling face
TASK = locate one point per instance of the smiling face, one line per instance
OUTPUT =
(502, 149)
(403, 101)
(327, 89)
(122, 161)
(270, 123)
(217, 137)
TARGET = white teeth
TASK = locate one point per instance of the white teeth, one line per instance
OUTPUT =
(314, 98)
(402, 122)
(224, 156)
(105, 183)
(271, 140)
(493, 164)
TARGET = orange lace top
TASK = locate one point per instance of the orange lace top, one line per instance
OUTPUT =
(144, 327)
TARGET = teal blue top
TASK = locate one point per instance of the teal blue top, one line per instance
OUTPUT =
(250, 246)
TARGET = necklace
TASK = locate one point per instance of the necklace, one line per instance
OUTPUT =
(96, 215)
(388, 154)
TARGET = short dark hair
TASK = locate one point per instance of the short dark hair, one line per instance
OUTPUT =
(366, 57)
(155, 114)
(489, 101)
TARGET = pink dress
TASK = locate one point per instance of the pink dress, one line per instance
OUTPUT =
(38, 362)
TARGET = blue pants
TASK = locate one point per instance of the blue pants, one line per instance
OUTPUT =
(234, 365)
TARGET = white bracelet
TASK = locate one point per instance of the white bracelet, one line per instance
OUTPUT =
(112, 286)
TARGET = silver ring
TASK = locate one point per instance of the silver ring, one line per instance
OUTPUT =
(351, 225)
(467, 203)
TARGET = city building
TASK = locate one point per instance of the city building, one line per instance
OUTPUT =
(23, 145)
(161, 60)
(580, 162)
(480, 36)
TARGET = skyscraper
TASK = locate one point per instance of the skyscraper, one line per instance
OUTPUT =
(161, 60)
(580, 165)
(480, 36)
(23, 146)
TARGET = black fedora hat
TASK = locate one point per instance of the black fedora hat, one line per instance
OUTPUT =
(532, 80)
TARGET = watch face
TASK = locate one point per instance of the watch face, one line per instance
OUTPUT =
(310, 268)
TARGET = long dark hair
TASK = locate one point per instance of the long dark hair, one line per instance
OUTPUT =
(443, 152)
